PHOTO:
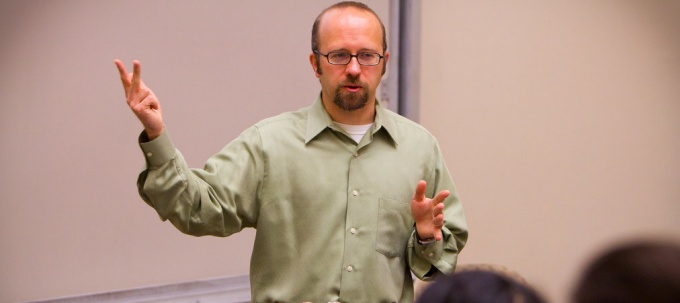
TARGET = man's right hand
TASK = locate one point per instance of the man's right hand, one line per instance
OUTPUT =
(141, 99)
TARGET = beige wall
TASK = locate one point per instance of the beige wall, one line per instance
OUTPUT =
(560, 121)
(71, 220)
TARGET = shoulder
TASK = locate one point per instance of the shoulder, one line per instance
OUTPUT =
(290, 118)
(407, 130)
(286, 126)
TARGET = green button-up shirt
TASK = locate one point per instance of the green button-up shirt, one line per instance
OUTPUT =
(332, 216)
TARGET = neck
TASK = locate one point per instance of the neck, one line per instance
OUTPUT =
(362, 116)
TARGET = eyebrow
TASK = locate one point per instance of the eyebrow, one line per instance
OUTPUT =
(363, 50)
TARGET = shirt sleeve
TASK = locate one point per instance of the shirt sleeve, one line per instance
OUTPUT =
(218, 200)
(441, 256)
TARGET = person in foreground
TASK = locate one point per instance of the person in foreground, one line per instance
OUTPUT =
(480, 285)
(347, 197)
(635, 271)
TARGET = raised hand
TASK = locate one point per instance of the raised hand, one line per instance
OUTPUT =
(141, 99)
(428, 213)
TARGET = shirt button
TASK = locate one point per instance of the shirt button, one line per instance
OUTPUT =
(355, 192)
(356, 155)
(353, 230)
(149, 154)
(430, 255)
(350, 268)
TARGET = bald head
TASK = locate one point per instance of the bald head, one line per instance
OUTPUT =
(344, 9)
(345, 5)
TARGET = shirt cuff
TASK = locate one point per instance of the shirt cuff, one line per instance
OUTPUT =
(157, 151)
(424, 257)
(431, 252)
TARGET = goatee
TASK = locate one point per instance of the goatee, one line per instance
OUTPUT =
(349, 101)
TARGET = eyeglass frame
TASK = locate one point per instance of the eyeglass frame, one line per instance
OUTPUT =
(380, 57)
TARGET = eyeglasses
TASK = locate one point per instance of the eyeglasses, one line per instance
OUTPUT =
(343, 58)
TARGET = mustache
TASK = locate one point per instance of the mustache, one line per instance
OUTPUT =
(353, 82)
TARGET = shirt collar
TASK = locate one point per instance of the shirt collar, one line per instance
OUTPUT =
(318, 120)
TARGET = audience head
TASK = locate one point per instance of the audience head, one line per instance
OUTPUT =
(480, 284)
(638, 271)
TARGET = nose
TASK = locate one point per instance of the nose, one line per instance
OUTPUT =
(353, 67)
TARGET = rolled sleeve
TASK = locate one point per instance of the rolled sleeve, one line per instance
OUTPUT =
(442, 255)
(157, 151)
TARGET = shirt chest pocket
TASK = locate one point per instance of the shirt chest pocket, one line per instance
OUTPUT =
(395, 226)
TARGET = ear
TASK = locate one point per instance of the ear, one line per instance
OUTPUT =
(315, 66)
(387, 56)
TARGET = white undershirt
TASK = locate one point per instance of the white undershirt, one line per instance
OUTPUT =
(355, 131)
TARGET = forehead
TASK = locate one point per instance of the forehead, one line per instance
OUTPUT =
(349, 28)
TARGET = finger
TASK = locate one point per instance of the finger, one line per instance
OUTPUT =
(438, 235)
(438, 209)
(136, 75)
(152, 101)
(438, 221)
(419, 195)
(124, 78)
(140, 97)
(440, 197)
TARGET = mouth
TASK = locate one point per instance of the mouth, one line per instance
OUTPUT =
(353, 88)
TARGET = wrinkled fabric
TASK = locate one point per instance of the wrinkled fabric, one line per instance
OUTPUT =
(332, 216)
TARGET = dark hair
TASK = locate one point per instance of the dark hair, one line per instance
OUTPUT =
(344, 4)
(639, 271)
(480, 285)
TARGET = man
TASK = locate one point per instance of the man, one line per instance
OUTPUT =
(327, 187)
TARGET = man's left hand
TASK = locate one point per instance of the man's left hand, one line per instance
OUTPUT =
(428, 213)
